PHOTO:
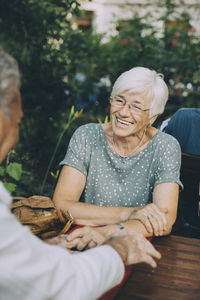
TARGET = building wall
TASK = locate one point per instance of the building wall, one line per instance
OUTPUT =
(108, 12)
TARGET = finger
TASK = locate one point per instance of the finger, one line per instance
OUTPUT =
(157, 219)
(150, 250)
(72, 244)
(145, 220)
(154, 220)
(83, 242)
(162, 213)
(149, 260)
(161, 225)
(91, 244)
(163, 219)
(78, 233)
(154, 224)
(162, 222)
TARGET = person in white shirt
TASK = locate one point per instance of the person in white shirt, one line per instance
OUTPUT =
(29, 267)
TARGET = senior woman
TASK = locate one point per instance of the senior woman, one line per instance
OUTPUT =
(27, 270)
(124, 173)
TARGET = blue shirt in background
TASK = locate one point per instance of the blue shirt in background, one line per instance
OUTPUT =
(185, 127)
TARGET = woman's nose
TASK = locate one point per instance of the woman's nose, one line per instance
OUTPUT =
(125, 110)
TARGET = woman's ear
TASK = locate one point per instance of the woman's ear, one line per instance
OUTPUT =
(152, 120)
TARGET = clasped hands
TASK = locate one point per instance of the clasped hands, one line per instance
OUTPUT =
(81, 238)
(130, 245)
(152, 217)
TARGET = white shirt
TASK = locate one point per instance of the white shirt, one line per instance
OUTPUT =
(31, 269)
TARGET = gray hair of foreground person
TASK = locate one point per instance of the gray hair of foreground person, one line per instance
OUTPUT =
(144, 80)
(9, 80)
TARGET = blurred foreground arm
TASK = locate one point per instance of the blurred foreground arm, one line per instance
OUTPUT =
(36, 270)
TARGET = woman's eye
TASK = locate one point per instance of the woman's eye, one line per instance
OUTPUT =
(136, 107)
(119, 100)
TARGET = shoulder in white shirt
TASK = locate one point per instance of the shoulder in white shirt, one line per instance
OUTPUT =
(31, 269)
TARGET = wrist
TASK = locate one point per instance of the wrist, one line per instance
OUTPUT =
(118, 246)
(125, 214)
(133, 212)
(108, 230)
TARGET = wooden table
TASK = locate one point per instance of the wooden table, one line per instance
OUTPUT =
(177, 276)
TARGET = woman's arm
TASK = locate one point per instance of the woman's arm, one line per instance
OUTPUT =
(157, 218)
(166, 195)
(68, 191)
(163, 212)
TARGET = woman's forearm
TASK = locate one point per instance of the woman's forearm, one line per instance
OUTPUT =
(90, 237)
(93, 215)
(134, 225)
(138, 226)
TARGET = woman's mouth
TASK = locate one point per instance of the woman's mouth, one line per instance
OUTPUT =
(122, 122)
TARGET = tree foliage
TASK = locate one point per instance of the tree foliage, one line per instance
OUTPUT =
(37, 34)
(62, 67)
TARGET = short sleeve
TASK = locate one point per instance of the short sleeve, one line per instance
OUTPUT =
(78, 152)
(169, 163)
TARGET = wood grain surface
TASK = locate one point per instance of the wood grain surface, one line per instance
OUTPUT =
(177, 276)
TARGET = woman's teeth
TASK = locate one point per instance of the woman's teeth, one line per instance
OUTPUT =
(123, 122)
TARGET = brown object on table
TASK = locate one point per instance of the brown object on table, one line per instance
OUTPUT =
(39, 214)
(176, 277)
(65, 216)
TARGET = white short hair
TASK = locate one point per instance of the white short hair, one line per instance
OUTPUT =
(143, 80)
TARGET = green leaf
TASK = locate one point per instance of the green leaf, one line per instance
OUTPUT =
(14, 170)
(10, 186)
(2, 171)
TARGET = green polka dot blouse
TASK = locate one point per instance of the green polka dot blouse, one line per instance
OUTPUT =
(113, 180)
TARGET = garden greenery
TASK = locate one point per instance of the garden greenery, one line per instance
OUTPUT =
(62, 67)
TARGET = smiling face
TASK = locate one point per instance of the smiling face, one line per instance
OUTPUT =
(125, 122)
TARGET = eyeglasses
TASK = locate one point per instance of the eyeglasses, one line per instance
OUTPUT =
(121, 102)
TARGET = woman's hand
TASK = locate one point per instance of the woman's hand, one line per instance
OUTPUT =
(152, 217)
(86, 237)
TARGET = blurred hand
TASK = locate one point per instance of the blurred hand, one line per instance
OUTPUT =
(133, 247)
(86, 237)
(152, 217)
(60, 240)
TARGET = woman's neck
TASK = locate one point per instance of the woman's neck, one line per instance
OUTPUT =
(130, 145)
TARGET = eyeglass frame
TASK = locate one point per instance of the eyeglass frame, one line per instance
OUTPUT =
(129, 105)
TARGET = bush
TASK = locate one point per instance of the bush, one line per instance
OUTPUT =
(62, 67)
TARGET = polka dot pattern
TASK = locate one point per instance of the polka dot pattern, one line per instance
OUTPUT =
(113, 180)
